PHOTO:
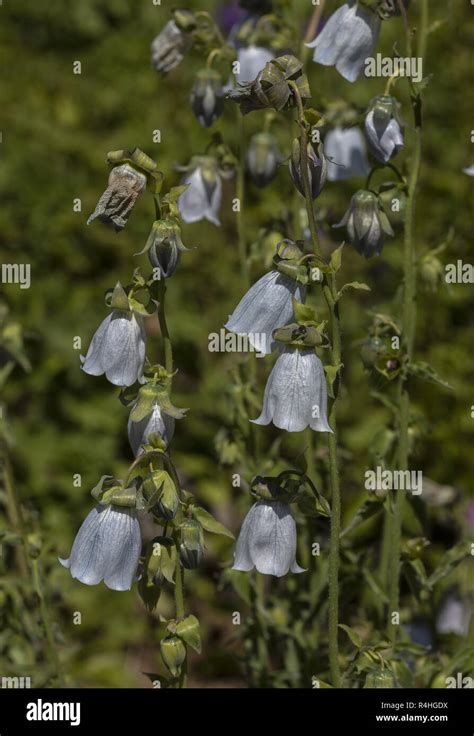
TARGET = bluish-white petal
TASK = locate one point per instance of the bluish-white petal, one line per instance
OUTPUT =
(213, 207)
(123, 351)
(242, 559)
(360, 29)
(193, 202)
(266, 306)
(155, 422)
(92, 363)
(391, 141)
(88, 559)
(327, 43)
(252, 60)
(346, 148)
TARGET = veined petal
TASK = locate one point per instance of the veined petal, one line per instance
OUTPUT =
(252, 60)
(391, 141)
(213, 207)
(193, 202)
(156, 422)
(93, 361)
(266, 306)
(273, 538)
(361, 30)
(328, 43)
(242, 559)
(123, 351)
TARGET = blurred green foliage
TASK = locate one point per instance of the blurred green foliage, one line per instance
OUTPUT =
(57, 127)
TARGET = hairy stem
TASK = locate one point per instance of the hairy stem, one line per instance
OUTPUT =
(46, 620)
(408, 325)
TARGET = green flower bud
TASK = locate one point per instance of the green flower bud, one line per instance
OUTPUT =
(191, 546)
(164, 246)
(366, 223)
(317, 167)
(173, 653)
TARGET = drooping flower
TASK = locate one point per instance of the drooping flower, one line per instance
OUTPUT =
(296, 395)
(366, 223)
(107, 547)
(267, 540)
(252, 60)
(169, 47)
(164, 246)
(118, 346)
(115, 205)
(346, 153)
(348, 38)
(202, 198)
(263, 158)
(207, 97)
(384, 128)
(266, 306)
(454, 615)
(317, 167)
(157, 422)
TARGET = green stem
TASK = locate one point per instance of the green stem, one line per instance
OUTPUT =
(165, 335)
(46, 620)
(408, 324)
(15, 515)
(240, 191)
(330, 295)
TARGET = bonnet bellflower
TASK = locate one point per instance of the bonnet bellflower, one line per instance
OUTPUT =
(202, 198)
(157, 422)
(366, 223)
(296, 395)
(266, 306)
(118, 346)
(384, 128)
(115, 205)
(267, 540)
(207, 97)
(107, 547)
(348, 38)
(346, 152)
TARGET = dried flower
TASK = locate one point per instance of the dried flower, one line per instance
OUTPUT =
(115, 205)
(267, 540)
(169, 47)
(107, 547)
(252, 60)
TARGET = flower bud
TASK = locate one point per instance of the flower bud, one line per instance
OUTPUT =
(164, 245)
(173, 653)
(366, 223)
(317, 168)
(384, 128)
(191, 546)
(207, 97)
(262, 158)
(431, 271)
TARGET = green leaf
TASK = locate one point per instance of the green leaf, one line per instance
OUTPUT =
(336, 259)
(450, 560)
(364, 512)
(353, 635)
(426, 372)
(331, 373)
(188, 631)
(352, 285)
(208, 522)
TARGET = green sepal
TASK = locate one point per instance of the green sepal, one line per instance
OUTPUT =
(352, 634)
(331, 374)
(119, 299)
(162, 558)
(209, 523)
(119, 496)
(352, 285)
(336, 259)
(105, 483)
(426, 372)
(304, 314)
(188, 630)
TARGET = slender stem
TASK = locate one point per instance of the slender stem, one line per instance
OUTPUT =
(408, 326)
(15, 515)
(46, 620)
(240, 187)
(167, 347)
(330, 295)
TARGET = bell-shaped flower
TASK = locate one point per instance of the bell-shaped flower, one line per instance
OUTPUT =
(348, 39)
(252, 60)
(115, 205)
(170, 45)
(157, 422)
(164, 246)
(107, 547)
(384, 128)
(317, 167)
(366, 223)
(266, 306)
(207, 97)
(263, 158)
(118, 346)
(267, 540)
(346, 153)
(296, 395)
(202, 198)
